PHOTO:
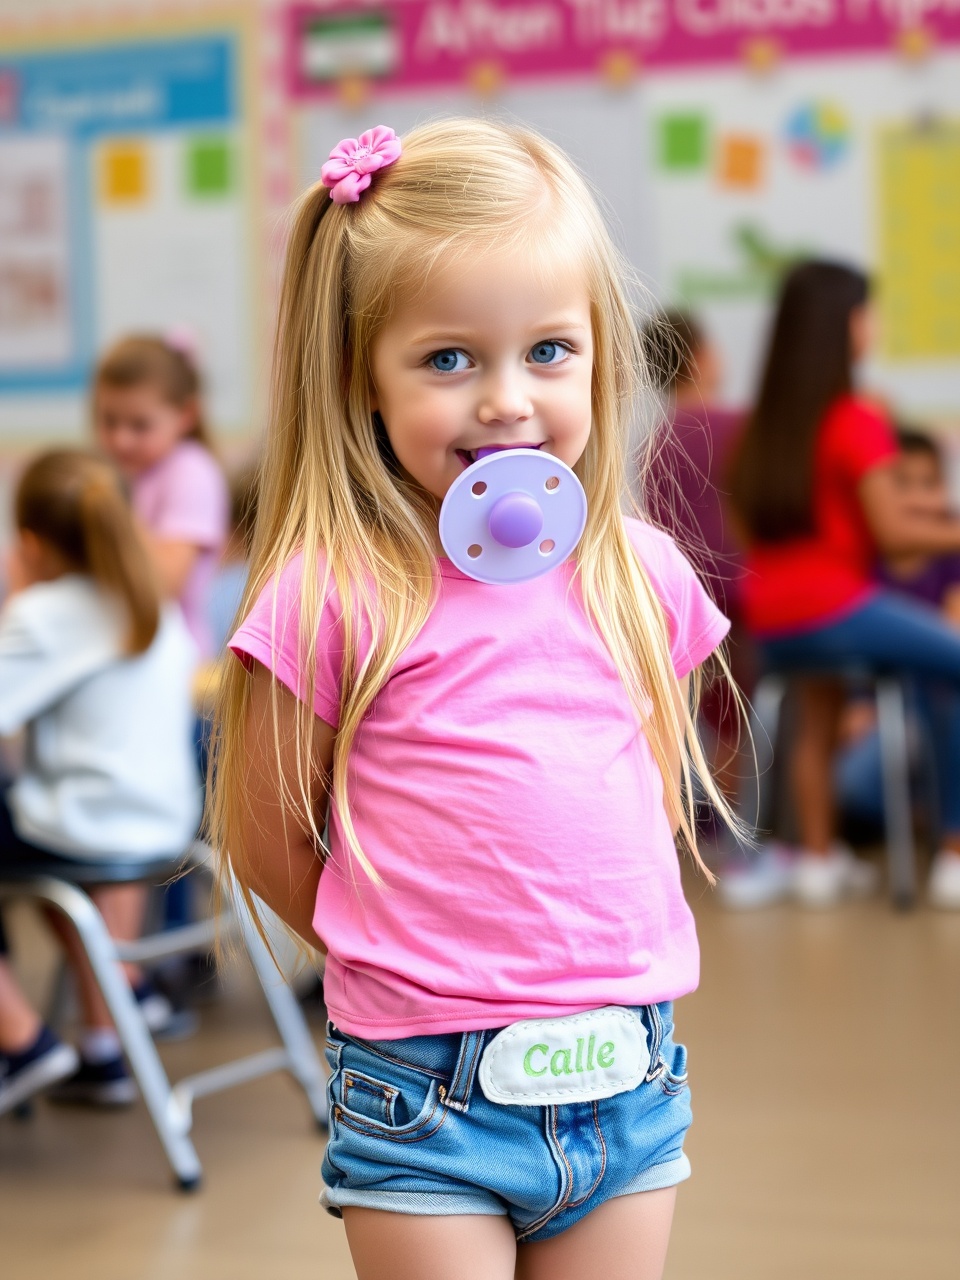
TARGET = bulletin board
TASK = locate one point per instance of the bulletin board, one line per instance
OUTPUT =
(724, 139)
(127, 203)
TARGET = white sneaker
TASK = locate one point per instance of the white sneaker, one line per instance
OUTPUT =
(758, 881)
(943, 888)
(824, 880)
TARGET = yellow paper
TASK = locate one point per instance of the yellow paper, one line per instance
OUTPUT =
(123, 172)
(919, 241)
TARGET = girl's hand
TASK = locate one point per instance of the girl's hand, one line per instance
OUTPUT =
(173, 561)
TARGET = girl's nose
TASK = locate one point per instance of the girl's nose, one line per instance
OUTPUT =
(504, 400)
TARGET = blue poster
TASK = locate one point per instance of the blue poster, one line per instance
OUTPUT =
(55, 110)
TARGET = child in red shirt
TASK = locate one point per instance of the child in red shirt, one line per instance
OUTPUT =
(815, 491)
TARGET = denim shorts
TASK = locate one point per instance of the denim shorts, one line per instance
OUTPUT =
(412, 1132)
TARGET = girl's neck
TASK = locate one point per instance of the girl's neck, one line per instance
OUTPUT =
(40, 560)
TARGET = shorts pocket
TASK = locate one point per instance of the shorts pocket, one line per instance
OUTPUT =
(384, 1099)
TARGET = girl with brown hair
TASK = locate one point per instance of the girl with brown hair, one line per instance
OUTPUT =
(148, 419)
(97, 673)
(816, 492)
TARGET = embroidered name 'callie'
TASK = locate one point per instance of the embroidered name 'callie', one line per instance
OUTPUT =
(578, 1058)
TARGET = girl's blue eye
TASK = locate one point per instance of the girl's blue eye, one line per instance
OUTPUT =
(548, 353)
(448, 361)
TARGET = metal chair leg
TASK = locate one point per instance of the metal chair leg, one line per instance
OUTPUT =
(170, 1120)
(897, 809)
(756, 801)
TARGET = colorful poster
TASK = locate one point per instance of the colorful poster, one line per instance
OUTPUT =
(123, 205)
(422, 43)
(35, 305)
(919, 232)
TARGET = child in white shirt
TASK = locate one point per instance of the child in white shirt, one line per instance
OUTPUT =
(98, 674)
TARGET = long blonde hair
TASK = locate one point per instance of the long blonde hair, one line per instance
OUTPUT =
(73, 501)
(328, 488)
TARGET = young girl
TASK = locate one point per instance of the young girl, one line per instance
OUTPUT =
(98, 675)
(500, 900)
(148, 420)
(816, 490)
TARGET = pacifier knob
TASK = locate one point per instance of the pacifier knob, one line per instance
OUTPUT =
(515, 520)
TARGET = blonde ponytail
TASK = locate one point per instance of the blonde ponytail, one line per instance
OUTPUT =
(73, 501)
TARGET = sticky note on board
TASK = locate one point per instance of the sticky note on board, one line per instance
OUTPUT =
(741, 161)
(124, 174)
(209, 167)
(683, 141)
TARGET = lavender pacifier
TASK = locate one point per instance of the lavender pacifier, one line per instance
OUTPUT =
(512, 515)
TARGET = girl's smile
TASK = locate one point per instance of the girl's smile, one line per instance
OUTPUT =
(493, 354)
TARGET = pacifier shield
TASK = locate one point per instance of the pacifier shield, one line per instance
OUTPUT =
(512, 516)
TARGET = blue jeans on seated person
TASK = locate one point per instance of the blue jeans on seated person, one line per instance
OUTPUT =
(859, 774)
(411, 1131)
(895, 633)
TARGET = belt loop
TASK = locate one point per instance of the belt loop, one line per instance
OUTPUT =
(465, 1072)
(656, 1039)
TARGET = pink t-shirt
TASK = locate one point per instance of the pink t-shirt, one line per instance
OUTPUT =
(502, 789)
(184, 498)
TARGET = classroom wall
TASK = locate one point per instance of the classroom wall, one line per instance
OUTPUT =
(148, 151)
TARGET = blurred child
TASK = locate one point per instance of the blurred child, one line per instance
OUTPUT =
(922, 481)
(687, 479)
(97, 672)
(935, 580)
(230, 579)
(689, 475)
(148, 418)
(816, 488)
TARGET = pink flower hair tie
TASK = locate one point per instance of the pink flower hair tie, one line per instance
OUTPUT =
(182, 339)
(352, 161)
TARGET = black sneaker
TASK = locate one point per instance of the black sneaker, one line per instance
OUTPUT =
(47, 1061)
(97, 1084)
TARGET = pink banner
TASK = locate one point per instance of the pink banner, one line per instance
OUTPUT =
(415, 44)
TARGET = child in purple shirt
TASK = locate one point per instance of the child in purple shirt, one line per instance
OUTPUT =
(935, 581)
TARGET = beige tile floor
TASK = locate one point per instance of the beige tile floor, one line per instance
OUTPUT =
(825, 1056)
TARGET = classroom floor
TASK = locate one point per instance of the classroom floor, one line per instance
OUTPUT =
(825, 1060)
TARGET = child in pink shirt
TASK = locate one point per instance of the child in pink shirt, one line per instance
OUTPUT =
(148, 419)
(502, 768)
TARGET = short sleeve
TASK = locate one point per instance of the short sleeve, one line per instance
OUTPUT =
(194, 504)
(696, 625)
(270, 634)
(861, 438)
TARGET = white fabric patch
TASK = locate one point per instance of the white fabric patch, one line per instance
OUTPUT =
(577, 1058)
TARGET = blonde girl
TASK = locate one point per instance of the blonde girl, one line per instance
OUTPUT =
(148, 419)
(96, 672)
(501, 767)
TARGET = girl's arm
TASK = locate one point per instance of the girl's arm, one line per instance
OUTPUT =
(173, 562)
(896, 528)
(281, 861)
